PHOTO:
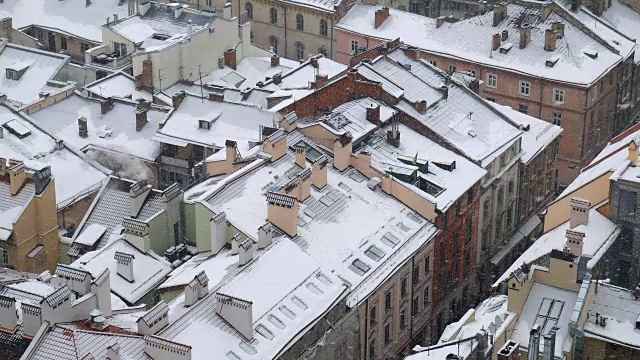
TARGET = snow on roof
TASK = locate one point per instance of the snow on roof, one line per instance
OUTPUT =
(214, 265)
(469, 39)
(118, 84)
(44, 66)
(539, 135)
(115, 130)
(149, 269)
(72, 16)
(325, 5)
(226, 121)
(12, 206)
(292, 301)
(621, 309)
(352, 116)
(38, 150)
(253, 97)
(7, 219)
(301, 75)
(454, 183)
(248, 72)
(91, 234)
(34, 287)
(598, 231)
(550, 306)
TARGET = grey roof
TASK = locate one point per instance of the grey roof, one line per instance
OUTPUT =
(21, 295)
(156, 313)
(615, 302)
(8, 201)
(58, 296)
(71, 273)
(280, 199)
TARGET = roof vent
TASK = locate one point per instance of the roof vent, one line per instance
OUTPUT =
(506, 47)
(551, 62)
(591, 53)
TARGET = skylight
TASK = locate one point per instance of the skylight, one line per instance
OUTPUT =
(314, 288)
(17, 128)
(285, 310)
(299, 303)
(324, 279)
(249, 349)
(275, 321)
(390, 240)
(264, 332)
(374, 253)
(359, 267)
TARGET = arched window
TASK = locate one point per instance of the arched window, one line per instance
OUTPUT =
(273, 15)
(324, 30)
(273, 42)
(512, 187)
(248, 7)
(299, 22)
(299, 51)
(323, 51)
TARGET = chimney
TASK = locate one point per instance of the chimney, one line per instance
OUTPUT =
(191, 292)
(579, 212)
(550, 344)
(275, 60)
(3, 166)
(218, 232)
(509, 351)
(83, 131)
(393, 135)
(373, 114)
(3, 98)
(504, 35)
(125, 265)
(634, 152)
(8, 313)
(106, 105)
(440, 20)
(115, 17)
(177, 11)
(474, 86)
(301, 156)
(246, 249)
(499, 13)
(154, 319)
(138, 193)
(235, 244)
(141, 119)
(189, 27)
(218, 97)
(282, 212)
(236, 312)
(230, 58)
(277, 78)
(319, 172)
(342, 149)
(226, 11)
(231, 148)
(525, 35)
(321, 80)
(304, 184)
(178, 98)
(265, 235)
(558, 27)
(161, 349)
(575, 241)
(87, 3)
(381, 16)
(534, 342)
(495, 41)
(1, 132)
(113, 352)
(17, 176)
(549, 40)
(203, 284)
(421, 106)
(276, 144)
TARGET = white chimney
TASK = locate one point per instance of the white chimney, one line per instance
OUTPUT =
(154, 320)
(235, 244)
(218, 225)
(158, 348)
(575, 242)
(579, 212)
(549, 352)
(178, 11)
(203, 284)
(246, 250)
(125, 265)
(8, 313)
(534, 342)
(138, 193)
(189, 27)
(265, 235)
(191, 292)
(113, 352)
(237, 312)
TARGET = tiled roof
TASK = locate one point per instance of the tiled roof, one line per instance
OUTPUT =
(280, 199)
(58, 296)
(155, 313)
(71, 273)
(21, 295)
(8, 201)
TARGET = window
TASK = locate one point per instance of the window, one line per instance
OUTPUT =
(467, 263)
(433, 62)
(354, 47)
(452, 68)
(372, 349)
(414, 7)
(387, 300)
(4, 257)
(359, 267)
(415, 306)
(594, 94)
(324, 29)
(491, 99)
(210, 3)
(390, 240)
(300, 22)
(425, 296)
(467, 239)
(416, 274)
(39, 34)
(373, 313)
(458, 207)
(523, 109)
(84, 47)
(512, 187)
(558, 96)
(486, 208)
(120, 49)
(403, 287)
(492, 80)
(248, 7)
(427, 264)
(557, 119)
(374, 253)
(273, 42)
(299, 51)
(473, 73)
(12, 74)
(273, 15)
(387, 333)
(627, 203)
(63, 43)
(403, 319)
(445, 220)
(323, 51)
(525, 88)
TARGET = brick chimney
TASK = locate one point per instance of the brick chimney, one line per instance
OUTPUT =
(495, 41)
(178, 98)
(421, 106)
(373, 114)
(282, 211)
(579, 212)
(141, 119)
(525, 35)
(17, 176)
(301, 156)
(321, 81)
(275, 60)
(381, 16)
(549, 40)
(125, 265)
(499, 13)
(504, 35)
(319, 172)
(218, 97)
(106, 105)
(575, 242)
(83, 130)
(277, 78)
(558, 27)
(230, 58)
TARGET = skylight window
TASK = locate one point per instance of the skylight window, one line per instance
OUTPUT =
(390, 240)
(231, 355)
(299, 303)
(312, 154)
(249, 349)
(374, 253)
(264, 332)
(285, 310)
(277, 322)
(324, 279)
(314, 288)
(359, 267)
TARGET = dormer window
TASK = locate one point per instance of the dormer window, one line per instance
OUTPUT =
(12, 74)
(204, 124)
(17, 69)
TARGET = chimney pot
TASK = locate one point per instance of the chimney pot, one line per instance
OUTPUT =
(265, 235)
(246, 250)
(558, 27)
(380, 16)
(275, 60)
(277, 78)
(525, 35)
(504, 35)
(141, 119)
(230, 58)
(373, 114)
(83, 130)
(499, 13)
(301, 156)
(282, 212)
(177, 99)
(421, 106)
(125, 265)
(321, 80)
(579, 212)
(549, 40)
(17, 176)
(218, 232)
(495, 41)
(218, 97)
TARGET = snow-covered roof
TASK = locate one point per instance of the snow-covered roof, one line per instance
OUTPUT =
(249, 71)
(227, 121)
(114, 131)
(550, 306)
(215, 266)
(71, 16)
(324, 5)
(12, 206)
(252, 97)
(289, 291)
(38, 149)
(470, 40)
(30, 291)
(538, 136)
(621, 309)
(599, 232)
(352, 117)
(43, 66)
(300, 76)
(118, 84)
(149, 269)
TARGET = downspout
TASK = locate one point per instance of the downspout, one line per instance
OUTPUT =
(285, 31)
(366, 327)
(584, 127)
(541, 92)
(332, 34)
(413, 260)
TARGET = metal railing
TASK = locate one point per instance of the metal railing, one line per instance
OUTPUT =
(69, 201)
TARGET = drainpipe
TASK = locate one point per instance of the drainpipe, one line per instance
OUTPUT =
(541, 92)
(285, 32)
(366, 327)
(413, 264)
(332, 34)
(586, 100)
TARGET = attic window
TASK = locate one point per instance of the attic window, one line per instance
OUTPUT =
(285, 310)
(591, 53)
(299, 303)
(314, 288)
(204, 124)
(390, 240)
(446, 165)
(359, 267)
(324, 279)
(505, 48)
(231, 355)
(249, 349)
(431, 188)
(277, 322)
(17, 69)
(374, 253)
(160, 37)
(551, 62)
(262, 330)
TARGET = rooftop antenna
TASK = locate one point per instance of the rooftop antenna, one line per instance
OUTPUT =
(201, 89)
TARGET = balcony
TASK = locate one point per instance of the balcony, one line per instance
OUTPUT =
(104, 56)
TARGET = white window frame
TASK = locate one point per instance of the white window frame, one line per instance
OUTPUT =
(556, 119)
(525, 88)
(4, 257)
(452, 68)
(558, 96)
(354, 47)
(492, 81)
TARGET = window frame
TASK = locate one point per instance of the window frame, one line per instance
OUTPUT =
(299, 22)
(248, 8)
(558, 94)
(556, 119)
(525, 88)
(492, 81)
(324, 28)
(273, 16)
